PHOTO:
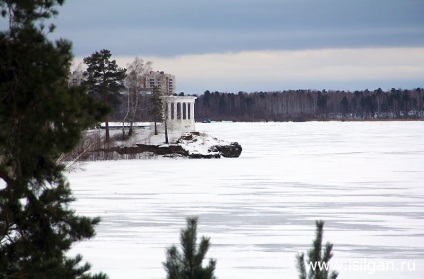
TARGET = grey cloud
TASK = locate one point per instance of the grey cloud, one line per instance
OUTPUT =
(164, 27)
(159, 42)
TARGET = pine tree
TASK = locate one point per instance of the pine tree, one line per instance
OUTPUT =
(157, 107)
(40, 118)
(188, 263)
(318, 259)
(103, 78)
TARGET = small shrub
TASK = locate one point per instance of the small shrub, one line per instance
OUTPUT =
(318, 260)
(188, 263)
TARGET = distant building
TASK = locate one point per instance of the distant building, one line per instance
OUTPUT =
(75, 78)
(165, 82)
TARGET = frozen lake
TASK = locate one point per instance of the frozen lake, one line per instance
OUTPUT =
(364, 179)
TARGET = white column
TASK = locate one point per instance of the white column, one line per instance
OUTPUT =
(175, 110)
(192, 111)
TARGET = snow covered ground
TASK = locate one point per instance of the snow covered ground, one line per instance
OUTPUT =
(364, 179)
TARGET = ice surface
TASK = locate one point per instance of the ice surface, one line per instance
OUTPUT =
(364, 179)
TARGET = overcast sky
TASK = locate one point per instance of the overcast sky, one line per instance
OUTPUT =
(254, 45)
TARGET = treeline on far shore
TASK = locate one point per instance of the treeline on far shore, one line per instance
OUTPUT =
(305, 105)
(289, 105)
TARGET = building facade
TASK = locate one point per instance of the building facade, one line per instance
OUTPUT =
(75, 78)
(165, 82)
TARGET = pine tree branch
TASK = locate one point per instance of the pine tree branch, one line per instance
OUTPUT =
(301, 266)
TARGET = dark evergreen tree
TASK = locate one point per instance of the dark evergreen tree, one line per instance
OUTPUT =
(157, 107)
(40, 118)
(298, 105)
(188, 263)
(345, 106)
(318, 259)
(322, 104)
(104, 79)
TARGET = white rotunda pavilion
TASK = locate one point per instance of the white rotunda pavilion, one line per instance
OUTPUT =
(179, 113)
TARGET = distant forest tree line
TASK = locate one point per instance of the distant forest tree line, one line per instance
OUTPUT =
(295, 105)
(303, 105)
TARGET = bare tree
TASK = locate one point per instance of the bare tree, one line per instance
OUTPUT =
(164, 91)
(135, 81)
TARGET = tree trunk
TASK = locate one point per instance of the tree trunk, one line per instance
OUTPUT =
(105, 88)
(131, 129)
(107, 129)
(123, 130)
(166, 132)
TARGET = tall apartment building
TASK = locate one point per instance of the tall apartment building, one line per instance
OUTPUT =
(75, 78)
(165, 82)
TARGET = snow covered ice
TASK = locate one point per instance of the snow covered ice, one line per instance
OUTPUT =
(364, 179)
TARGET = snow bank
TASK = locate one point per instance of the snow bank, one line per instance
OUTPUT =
(190, 144)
